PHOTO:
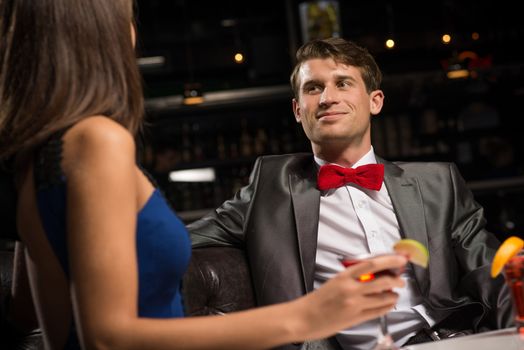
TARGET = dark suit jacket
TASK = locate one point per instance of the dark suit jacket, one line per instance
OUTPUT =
(275, 219)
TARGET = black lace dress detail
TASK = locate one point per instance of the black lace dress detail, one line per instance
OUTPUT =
(47, 162)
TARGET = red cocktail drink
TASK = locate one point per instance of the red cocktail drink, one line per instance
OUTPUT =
(370, 276)
(384, 340)
(514, 271)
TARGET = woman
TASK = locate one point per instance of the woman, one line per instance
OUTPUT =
(105, 254)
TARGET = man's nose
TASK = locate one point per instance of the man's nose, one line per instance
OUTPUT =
(328, 96)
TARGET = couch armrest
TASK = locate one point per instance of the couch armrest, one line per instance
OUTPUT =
(6, 279)
(217, 281)
(10, 337)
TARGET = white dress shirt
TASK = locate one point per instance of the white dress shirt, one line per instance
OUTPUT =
(354, 221)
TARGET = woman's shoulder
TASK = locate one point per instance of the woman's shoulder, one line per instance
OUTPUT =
(97, 139)
(99, 130)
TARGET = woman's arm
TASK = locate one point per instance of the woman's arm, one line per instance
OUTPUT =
(105, 192)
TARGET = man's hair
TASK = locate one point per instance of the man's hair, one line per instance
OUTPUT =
(341, 51)
(62, 61)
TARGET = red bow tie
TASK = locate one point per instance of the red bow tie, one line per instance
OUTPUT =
(333, 176)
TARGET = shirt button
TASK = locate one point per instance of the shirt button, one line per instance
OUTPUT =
(361, 204)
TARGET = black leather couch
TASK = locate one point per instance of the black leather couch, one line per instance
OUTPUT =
(11, 338)
(217, 282)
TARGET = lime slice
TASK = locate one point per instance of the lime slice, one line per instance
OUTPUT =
(506, 251)
(415, 251)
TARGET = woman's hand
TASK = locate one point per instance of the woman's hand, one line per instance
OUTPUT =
(343, 301)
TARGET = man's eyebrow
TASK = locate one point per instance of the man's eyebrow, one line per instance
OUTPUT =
(345, 77)
(311, 82)
(338, 77)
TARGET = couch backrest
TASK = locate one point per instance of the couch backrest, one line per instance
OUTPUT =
(217, 281)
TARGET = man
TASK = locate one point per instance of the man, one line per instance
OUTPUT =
(294, 229)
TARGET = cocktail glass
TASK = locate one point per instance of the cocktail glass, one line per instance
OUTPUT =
(384, 339)
(514, 272)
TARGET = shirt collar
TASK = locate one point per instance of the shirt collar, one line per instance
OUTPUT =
(368, 158)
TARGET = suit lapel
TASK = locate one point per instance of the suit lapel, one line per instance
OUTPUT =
(306, 203)
(407, 202)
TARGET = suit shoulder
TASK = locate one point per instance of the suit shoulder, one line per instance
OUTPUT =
(285, 159)
(425, 168)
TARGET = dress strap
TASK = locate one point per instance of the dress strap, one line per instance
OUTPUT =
(47, 162)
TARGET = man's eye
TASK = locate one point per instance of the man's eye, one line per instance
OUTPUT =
(313, 89)
(344, 83)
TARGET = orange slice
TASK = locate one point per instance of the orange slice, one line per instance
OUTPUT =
(416, 252)
(508, 249)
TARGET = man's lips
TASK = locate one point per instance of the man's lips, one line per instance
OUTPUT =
(329, 115)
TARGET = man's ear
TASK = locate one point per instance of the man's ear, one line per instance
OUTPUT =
(133, 34)
(376, 101)
(296, 111)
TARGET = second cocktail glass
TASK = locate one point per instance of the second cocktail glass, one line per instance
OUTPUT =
(384, 339)
(514, 274)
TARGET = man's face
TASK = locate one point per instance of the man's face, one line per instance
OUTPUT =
(333, 105)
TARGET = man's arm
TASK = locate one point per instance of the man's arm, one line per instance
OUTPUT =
(474, 249)
(225, 225)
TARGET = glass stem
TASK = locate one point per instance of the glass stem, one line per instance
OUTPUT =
(383, 325)
(385, 341)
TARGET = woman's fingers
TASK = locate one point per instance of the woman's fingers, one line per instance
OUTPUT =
(372, 266)
(370, 314)
(385, 299)
(382, 284)
(376, 264)
(350, 302)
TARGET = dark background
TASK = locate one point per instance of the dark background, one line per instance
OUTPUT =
(246, 112)
(199, 38)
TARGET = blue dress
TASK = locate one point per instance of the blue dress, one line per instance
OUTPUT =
(162, 242)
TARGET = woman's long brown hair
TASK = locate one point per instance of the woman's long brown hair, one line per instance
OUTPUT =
(62, 61)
